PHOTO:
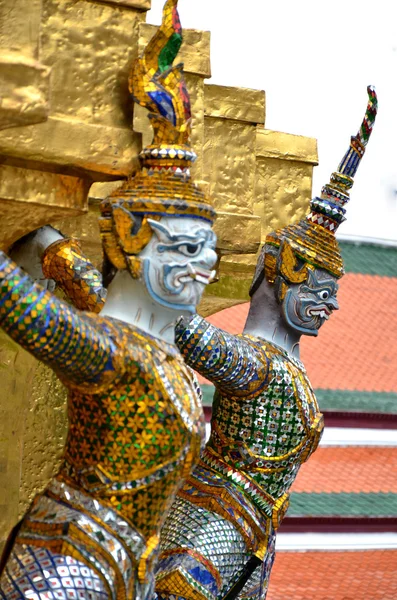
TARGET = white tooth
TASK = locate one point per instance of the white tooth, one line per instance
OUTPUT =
(201, 279)
(192, 271)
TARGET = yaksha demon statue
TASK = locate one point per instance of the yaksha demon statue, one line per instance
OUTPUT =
(218, 540)
(135, 416)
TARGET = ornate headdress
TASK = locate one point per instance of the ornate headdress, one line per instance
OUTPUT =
(163, 186)
(312, 240)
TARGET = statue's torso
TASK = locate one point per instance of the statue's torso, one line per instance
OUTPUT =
(269, 434)
(145, 427)
(263, 428)
(131, 441)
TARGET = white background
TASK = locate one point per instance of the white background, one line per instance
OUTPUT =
(314, 59)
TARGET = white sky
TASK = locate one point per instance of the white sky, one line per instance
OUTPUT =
(314, 59)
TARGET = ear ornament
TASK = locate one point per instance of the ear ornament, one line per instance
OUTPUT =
(287, 265)
(132, 234)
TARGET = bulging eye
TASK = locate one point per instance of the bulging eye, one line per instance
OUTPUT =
(324, 295)
(190, 249)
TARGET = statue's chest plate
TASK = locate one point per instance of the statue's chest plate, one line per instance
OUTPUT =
(277, 421)
(148, 418)
(182, 390)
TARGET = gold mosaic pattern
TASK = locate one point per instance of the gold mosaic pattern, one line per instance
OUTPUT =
(160, 88)
(135, 419)
(65, 263)
(312, 243)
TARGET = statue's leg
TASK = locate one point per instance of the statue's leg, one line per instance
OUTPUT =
(200, 552)
(202, 555)
(257, 586)
(35, 573)
(73, 547)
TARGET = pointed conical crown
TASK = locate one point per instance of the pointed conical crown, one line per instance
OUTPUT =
(163, 186)
(313, 238)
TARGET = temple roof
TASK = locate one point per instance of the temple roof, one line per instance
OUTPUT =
(331, 575)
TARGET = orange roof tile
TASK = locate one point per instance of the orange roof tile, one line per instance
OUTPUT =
(232, 319)
(357, 349)
(330, 470)
(370, 574)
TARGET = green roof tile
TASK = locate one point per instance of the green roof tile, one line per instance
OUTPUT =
(343, 504)
(340, 400)
(369, 259)
(372, 402)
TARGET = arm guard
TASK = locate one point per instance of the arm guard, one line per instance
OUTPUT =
(235, 364)
(65, 263)
(81, 351)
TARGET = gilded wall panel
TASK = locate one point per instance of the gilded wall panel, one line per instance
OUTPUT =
(87, 48)
(24, 90)
(90, 48)
(33, 426)
(237, 104)
(94, 152)
(284, 172)
(24, 81)
(16, 372)
(230, 166)
(195, 85)
(44, 434)
(28, 199)
(283, 192)
(17, 32)
(139, 4)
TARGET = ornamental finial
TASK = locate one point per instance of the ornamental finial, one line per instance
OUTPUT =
(160, 87)
(329, 210)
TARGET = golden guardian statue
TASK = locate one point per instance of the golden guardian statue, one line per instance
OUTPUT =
(134, 409)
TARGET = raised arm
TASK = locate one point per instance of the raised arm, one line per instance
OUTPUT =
(234, 364)
(80, 351)
(64, 262)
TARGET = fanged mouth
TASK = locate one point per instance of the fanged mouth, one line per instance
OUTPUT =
(323, 313)
(201, 275)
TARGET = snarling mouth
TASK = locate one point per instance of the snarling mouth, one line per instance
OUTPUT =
(323, 312)
(201, 275)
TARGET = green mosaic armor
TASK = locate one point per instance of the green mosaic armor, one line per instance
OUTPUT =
(265, 424)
